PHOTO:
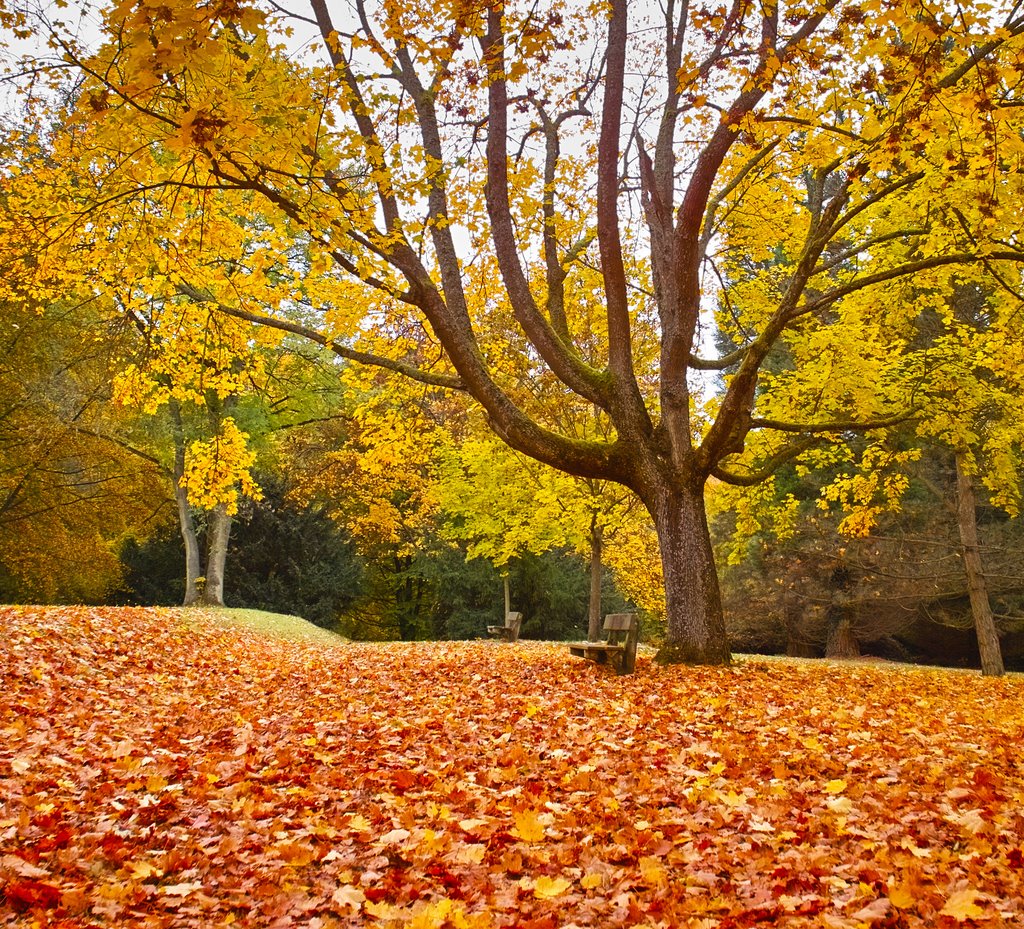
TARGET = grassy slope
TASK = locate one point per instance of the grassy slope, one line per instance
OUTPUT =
(280, 625)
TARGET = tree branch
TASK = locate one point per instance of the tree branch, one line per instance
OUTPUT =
(343, 351)
(752, 478)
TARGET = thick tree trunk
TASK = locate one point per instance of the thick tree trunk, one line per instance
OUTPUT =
(977, 588)
(594, 623)
(696, 626)
(840, 641)
(217, 534)
(186, 522)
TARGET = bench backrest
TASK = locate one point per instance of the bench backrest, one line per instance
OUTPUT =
(513, 621)
(619, 625)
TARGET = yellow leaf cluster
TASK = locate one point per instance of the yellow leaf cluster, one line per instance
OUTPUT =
(217, 471)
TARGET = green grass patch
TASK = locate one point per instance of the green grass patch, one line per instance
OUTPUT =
(280, 625)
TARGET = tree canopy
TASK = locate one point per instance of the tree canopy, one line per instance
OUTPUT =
(573, 195)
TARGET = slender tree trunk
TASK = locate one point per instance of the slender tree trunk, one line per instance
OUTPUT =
(406, 599)
(508, 594)
(186, 522)
(217, 534)
(696, 626)
(596, 575)
(977, 588)
(798, 645)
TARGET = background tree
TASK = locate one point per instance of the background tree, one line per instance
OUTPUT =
(284, 557)
(67, 495)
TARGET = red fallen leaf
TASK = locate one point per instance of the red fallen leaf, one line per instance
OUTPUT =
(24, 895)
(404, 780)
(60, 839)
(541, 922)
(114, 847)
(1015, 858)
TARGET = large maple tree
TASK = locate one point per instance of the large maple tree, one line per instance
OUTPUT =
(842, 147)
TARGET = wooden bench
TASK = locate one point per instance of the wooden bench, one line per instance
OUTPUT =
(622, 632)
(510, 631)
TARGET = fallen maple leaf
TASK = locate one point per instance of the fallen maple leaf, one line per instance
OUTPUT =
(21, 867)
(550, 887)
(296, 854)
(901, 896)
(962, 906)
(26, 894)
(877, 909)
(652, 871)
(394, 837)
(181, 890)
(348, 896)
(471, 854)
(528, 826)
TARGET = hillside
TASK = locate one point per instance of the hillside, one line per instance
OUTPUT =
(157, 770)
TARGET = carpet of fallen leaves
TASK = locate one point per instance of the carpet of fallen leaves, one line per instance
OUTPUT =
(158, 773)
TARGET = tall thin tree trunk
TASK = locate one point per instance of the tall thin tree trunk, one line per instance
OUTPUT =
(596, 576)
(186, 521)
(977, 588)
(508, 594)
(696, 625)
(218, 533)
(798, 645)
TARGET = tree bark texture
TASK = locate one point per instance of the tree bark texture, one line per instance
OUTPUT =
(696, 625)
(186, 521)
(840, 640)
(977, 588)
(218, 533)
(594, 623)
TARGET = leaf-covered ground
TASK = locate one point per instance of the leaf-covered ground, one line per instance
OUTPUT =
(155, 772)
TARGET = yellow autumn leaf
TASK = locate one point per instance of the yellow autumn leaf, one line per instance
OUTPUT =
(528, 826)
(592, 880)
(901, 897)
(652, 870)
(550, 887)
(961, 905)
(470, 854)
(348, 896)
(143, 870)
(835, 787)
